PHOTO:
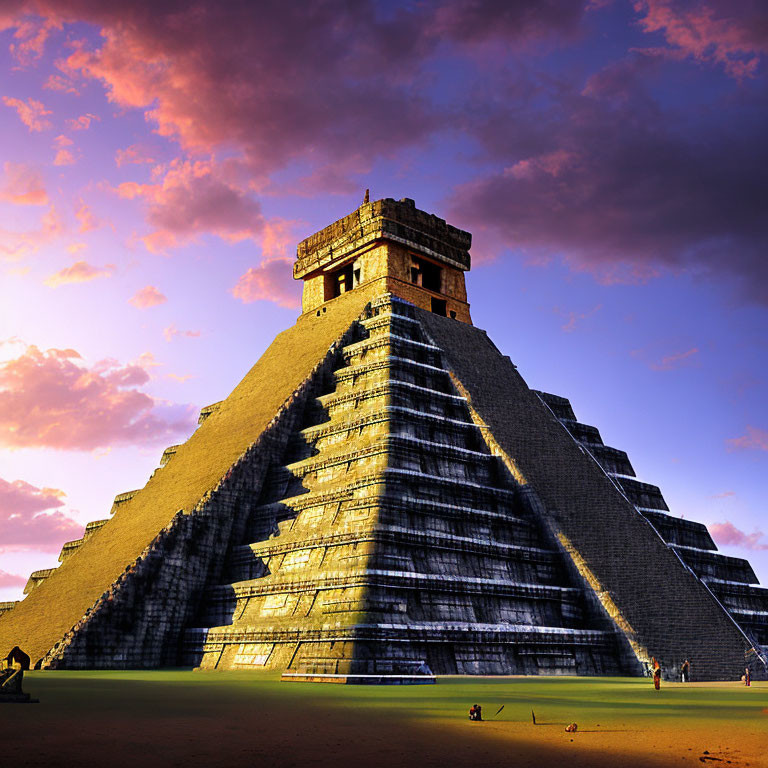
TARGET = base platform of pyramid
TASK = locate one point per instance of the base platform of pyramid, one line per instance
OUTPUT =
(382, 499)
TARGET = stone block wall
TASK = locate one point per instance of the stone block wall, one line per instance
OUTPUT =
(389, 538)
(138, 621)
(655, 597)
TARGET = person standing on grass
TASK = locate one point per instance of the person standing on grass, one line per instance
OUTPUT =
(747, 679)
(656, 674)
(685, 672)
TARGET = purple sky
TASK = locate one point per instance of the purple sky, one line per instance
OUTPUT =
(161, 159)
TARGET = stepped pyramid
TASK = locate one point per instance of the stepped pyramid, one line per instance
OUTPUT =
(381, 499)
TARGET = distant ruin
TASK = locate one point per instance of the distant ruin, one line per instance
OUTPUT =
(382, 499)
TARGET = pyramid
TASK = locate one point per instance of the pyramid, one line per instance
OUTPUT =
(383, 498)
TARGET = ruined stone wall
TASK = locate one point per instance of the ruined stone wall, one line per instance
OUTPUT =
(660, 604)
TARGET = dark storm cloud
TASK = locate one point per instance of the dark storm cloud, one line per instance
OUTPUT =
(621, 187)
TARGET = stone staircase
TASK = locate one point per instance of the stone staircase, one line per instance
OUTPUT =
(390, 540)
(731, 579)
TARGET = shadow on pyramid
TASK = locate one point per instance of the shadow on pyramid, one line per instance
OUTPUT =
(383, 499)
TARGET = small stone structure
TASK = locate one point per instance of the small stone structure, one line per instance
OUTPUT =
(382, 499)
(12, 677)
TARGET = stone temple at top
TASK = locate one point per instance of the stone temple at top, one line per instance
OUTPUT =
(383, 498)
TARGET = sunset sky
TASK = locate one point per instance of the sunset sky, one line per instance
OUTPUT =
(159, 161)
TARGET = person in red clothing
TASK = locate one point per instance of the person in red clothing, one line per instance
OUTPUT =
(656, 674)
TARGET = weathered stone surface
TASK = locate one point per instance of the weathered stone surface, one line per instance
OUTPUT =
(397, 221)
(666, 610)
(731, 580)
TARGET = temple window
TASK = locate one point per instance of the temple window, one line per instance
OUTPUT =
(439, 307)
(342, 280)
(426, 275)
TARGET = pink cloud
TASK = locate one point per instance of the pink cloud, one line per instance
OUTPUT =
(54, 400)
(82, 123)
(220, 80)
(8, 580)
(23, 185)
(32, 32)
(676, 360)
(732, 33)
(550, 163)
(79, 272)
(194, 198)
(754, 439)
(278, 237)
(61, 84)
(136, 154)
(728, 535)
(272, 280)
(148, 296)
(574, 318)
(87, 219)
(171, 65)
(31, 112)
(64, 155)
(30, 518)
(171, 332)
(19, 245)
(666, 362)
(724, 495)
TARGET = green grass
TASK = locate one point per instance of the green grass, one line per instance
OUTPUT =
(561, 699)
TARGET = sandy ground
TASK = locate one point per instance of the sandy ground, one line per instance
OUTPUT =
(629, 746)
(119, 723)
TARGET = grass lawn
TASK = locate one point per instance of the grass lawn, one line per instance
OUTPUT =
(193, 718)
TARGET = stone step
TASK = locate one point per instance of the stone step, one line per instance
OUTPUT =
(121, 499)
(391, 579)
(398, 416)
(584, 433)
(560, 406)
(169, 453)
(641, 494)
(675, 530)
(208, 410)
(36, 578)
(385, 392)
(400, 451)
(494, 524)
(713, 564)
(612, 460)
(447, 631)
(394, 535)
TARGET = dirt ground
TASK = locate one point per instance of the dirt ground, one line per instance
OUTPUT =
(239, 719)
